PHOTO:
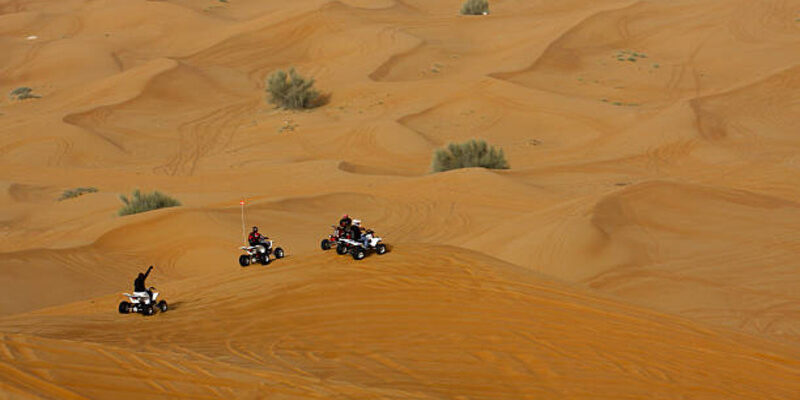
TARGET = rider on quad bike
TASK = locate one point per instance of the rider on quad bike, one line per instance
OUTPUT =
(340, 231)
(345, 224)
(259, 249)
(357, 233)
(360, 242)
(143, 299)
(256, 239)
(139, 288)
(346, 221)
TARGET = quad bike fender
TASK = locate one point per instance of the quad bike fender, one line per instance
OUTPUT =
(250, 250)
(351, 242)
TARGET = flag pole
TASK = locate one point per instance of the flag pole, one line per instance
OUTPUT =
(244, 230)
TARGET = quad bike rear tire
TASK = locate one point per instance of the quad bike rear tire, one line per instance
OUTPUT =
(162, 306)
(380, 249)
(279, 252)
(264, 259)
(124, 307)
(359, 253)
(325, 244)
(244, 260)
(341, 249)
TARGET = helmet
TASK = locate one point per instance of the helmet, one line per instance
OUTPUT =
(255, 229)
(345, 216)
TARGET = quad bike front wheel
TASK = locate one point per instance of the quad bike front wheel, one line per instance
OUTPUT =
(148, 310)
(124, 307)
(244, 260)
(359, 253)
(264, 259)
(162, 305)
(325, 244)
(341, 249)
(380, 249)
(279, 252)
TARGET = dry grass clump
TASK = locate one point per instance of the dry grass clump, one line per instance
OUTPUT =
(473, 153)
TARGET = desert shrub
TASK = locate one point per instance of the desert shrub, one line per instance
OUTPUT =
(141, 202)
(73, 193)
(473, 153)
(22, 93)
(291, 91)
(475, 7)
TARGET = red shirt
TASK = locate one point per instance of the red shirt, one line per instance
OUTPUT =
(254, 238)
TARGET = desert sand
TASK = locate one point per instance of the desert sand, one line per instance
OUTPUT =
(645, 243)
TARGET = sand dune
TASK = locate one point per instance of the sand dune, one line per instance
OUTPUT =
(643, 245)
(392, 328)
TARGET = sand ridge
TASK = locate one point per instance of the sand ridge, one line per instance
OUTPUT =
(646, 231)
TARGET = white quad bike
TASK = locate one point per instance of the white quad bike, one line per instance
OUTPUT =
(259, 253)
(139, 302)
(358, 250)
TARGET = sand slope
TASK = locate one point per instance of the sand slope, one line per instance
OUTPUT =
(644, 244)
(392, 327)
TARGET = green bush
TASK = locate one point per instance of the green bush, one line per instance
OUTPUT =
(22, 93)
(292, 91)
(475, 7)
(141, 202)
(73, 193)
(473, 153)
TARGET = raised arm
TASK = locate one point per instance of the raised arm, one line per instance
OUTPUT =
(148, 272)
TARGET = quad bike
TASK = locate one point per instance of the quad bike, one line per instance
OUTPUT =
(335, 239)
(357, 248)
(141, 303)
(259, 253)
